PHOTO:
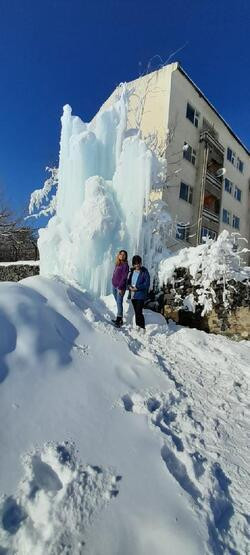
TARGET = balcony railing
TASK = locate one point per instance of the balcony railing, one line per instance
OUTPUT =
(206, 136)
(216, 181)
(210, 215)
(212, 190)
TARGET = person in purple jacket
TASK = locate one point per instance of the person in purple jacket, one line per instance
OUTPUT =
(119, 281)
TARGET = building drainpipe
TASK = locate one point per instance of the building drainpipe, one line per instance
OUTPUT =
(203, 182)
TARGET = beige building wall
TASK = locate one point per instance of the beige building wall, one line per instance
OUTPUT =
(149, 103)
(241, 180)
(152, 92)
(184, 131)
(182, 91)
(159, 104)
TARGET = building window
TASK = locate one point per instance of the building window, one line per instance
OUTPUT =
(228, 185)
(189, 153)
(186, 192)
(182, 232)
(230, 155)
(237, 193)
(240, 165)
(236, 222)
(226, 216)
(205, 232)
(192, 114)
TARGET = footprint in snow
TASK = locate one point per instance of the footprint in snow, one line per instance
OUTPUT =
(55, 502)
(213, 496)
(179, 472)
(12, 515)
(160, 414)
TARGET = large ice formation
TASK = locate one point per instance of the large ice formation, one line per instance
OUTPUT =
(104, 181)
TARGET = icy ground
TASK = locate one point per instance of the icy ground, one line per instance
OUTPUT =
(116, 443)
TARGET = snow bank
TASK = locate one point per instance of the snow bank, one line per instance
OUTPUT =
(156, 427)
(63, 369)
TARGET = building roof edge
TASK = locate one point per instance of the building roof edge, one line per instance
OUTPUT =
(180, 68)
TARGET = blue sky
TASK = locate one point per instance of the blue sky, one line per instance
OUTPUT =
(54, 52)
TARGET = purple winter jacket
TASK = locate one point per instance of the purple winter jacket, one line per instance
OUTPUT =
(120, 275)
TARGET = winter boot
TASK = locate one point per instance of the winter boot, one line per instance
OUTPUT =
(118, 322)
(140, 330)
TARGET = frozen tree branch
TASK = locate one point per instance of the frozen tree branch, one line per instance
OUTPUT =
(39, 196)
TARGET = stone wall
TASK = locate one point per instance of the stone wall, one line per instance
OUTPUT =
(238, 323)
(15, 272)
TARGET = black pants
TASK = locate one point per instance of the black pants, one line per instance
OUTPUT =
(139, 318)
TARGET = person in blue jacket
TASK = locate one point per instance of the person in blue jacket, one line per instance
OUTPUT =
(138, 285)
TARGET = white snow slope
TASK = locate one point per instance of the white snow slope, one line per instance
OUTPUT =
(113, 443)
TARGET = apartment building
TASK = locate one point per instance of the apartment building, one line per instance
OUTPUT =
(207, 186)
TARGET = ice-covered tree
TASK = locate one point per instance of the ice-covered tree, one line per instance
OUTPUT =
(43, 201)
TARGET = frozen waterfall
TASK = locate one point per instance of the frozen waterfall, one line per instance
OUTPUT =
(105, 176)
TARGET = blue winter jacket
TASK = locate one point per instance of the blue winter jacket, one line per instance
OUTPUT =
(142, 284)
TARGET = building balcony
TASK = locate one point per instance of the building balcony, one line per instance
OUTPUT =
(210, 215)
(213, 180)
(206, 136)
(212, 190)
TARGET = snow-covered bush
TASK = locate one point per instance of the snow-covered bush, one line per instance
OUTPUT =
(214, 263)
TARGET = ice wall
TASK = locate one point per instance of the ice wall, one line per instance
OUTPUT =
(105, 176)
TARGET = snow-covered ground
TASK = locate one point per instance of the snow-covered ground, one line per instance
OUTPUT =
(114, 442)
(21, 263)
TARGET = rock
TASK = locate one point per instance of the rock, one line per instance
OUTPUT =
(16, 272)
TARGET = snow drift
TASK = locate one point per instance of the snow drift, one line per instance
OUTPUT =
(129, 443)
